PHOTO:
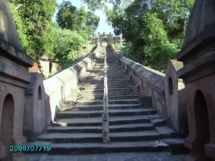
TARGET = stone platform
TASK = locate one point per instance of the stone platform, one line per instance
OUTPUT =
(164, 156)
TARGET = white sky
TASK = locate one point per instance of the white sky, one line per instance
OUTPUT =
(103, 26)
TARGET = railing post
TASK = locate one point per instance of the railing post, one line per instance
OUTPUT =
(105, 115)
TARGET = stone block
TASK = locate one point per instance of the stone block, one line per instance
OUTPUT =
(127, 77)
(66, 105)
(175, 99)
(198, 75)
(34, 111)
(145, 101)
(134, 88)
(2, 151)
(63, 86)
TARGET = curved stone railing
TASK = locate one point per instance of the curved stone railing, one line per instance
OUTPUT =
(149, 81)
(63, 86)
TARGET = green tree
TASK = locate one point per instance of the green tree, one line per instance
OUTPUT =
(155, 29)
(66, 16)
(95, 4)
(32, 19)
(92, 22)
(66, 43)
(70, 17)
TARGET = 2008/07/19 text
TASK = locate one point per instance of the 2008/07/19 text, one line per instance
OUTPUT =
(29, 148)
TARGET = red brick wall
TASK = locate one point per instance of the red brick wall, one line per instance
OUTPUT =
(34, 68)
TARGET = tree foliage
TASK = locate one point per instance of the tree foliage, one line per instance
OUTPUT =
(43, 38)
(154, 29)
(92, 22)
(95, 4)
(69, 17)
(33, 19)
(66, 43)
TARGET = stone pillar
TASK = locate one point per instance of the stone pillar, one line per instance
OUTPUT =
(198, 75)
(175, 99)
(2, 151)
(14, 77)
(34, 111)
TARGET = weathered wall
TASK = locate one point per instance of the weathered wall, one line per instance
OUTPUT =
(201, 18)
(201, 117)
(34, 111)
(197, 55)
(63, 86)
(14, 77)
(175, 98)
(55, 67)
(45, 67)
(35, 68)
(49, 66)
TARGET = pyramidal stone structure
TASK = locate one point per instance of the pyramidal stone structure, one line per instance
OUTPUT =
(198, 74)
(14, 77)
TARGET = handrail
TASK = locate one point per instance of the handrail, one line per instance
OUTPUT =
(105, 115)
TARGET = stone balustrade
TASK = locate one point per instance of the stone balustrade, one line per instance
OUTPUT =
(44, 98)
(155, 84)
(149, 81)
(63, 86)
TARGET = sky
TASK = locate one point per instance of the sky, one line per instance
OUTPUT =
(103, 26)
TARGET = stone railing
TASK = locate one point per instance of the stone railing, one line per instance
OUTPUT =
(105, 115)
(63, 86)
(149, 81)
(167, 96)
(35, 119)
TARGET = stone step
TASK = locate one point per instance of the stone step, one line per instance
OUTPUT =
(94, 148)
(121, 94)
(84, 107)
(110, 102)
(166, 131)
(97, 138)
(97, 113)
(101, 74)
(98, 129)
(170, 145)
(159, 122)
(97, 121)
(95, 94)
(110, 85)
(96, 71)
(101, 80)
(110, 81)
(101, 87)
(133, 127)
(133, 96)
(109, 90)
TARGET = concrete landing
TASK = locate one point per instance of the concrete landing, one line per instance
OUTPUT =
(161, 156)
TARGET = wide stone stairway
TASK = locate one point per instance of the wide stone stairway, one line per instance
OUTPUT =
(133, 128)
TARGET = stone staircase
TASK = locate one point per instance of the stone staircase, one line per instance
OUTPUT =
(133, 128)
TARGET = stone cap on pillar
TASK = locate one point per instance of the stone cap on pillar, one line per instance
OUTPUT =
(200, 31)
(176, 64)
(198, 52)
(9, 39)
